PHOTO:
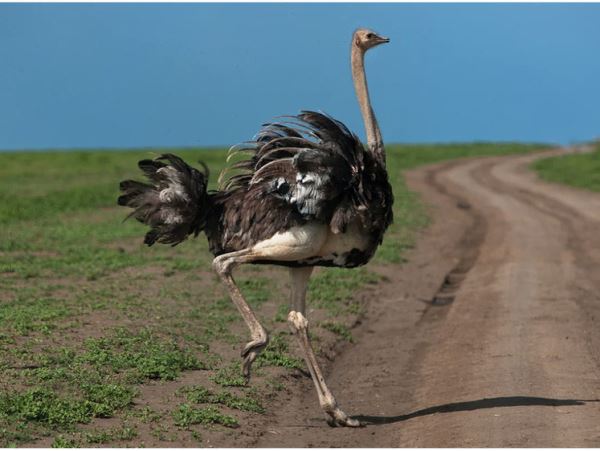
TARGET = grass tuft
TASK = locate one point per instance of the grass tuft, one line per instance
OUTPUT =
(229, 376)
(124, 433)
(45, 406)
(201, 395)
(149, 356)
(338, 329)
(334, 288)
(30, 315)
(187, 415)
(61, 441)
(277, 354)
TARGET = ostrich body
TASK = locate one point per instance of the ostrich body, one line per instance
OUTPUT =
(309, 195)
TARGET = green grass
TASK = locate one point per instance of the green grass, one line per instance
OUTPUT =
(200, 395)
(144, 355)
(579, 170)
(62, 441)
(45, 406)
(88, 315)
(124, 433)
(338, 329)
(27, 315)
(333, 289)
(229, 376)
(96, 380)
(277, 354)
(187, 415)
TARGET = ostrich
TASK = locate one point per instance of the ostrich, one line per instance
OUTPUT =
(309, 195)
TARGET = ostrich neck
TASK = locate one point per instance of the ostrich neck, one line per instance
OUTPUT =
(359, 77)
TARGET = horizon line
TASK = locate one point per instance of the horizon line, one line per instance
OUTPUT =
(217, 147)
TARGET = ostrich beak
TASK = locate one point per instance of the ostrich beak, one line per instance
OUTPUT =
(383, 40)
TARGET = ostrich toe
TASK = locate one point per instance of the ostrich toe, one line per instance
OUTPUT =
(251, 352)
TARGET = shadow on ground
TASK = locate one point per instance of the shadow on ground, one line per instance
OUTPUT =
(486, 403)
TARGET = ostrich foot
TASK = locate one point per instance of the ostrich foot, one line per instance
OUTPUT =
(337, 417)
(299, 326)
(350, 422)
(251, 352)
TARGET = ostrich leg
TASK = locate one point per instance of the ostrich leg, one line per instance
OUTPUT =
(299, 326)
(294, 244)
(223, 265)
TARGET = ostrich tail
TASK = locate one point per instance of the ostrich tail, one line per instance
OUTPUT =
(175, 204)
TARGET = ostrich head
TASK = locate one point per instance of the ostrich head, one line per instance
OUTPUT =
(366, 39)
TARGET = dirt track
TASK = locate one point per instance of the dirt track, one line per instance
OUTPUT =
(487, 337)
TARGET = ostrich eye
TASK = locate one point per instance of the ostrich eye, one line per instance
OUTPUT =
(369, 35)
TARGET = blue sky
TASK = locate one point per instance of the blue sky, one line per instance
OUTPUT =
(127, 75)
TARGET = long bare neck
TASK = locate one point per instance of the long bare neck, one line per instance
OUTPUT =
(374, 139)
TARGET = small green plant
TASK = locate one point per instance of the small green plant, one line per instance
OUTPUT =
(256, 289)
(334, 288)
(229, 376)
(196, 394)
(60, 441)
(26, 316)
(124, 433)
(237, 402)
(200, 395)
(276, 354)
(147, 415)
(282, 313)
(45, 406)
(107, 398)
(338, 329)
(187, 415)
(98, 437)
(148, 354)
(197, 436)
(160, 432)
(275, 384)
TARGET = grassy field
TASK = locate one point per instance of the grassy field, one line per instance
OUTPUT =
(106, 342)
(581, 170)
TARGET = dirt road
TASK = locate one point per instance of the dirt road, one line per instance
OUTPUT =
(489, 335)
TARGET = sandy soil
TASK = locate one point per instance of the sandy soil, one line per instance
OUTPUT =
(486, 337)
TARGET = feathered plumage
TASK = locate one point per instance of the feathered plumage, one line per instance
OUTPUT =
(175, 205)
(308, 168)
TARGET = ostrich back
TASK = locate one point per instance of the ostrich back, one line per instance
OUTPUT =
(310, 169)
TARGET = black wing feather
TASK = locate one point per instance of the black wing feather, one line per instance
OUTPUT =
(312, 161)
